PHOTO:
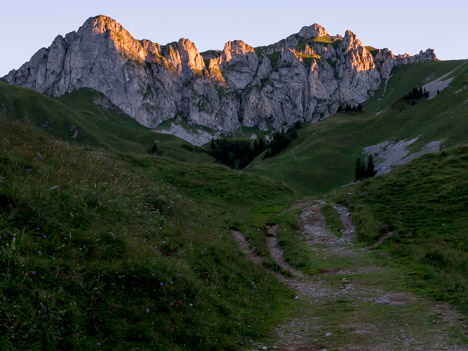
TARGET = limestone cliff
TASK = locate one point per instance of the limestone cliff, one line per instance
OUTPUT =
(306, 76)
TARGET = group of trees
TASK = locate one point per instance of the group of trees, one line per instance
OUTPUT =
(236, 153)
(417, 94)
(282, 139)
(349, 108)
(363, 172)
(411, 98)
(239, 154)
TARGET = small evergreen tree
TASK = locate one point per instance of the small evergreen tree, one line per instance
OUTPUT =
(261, 145)
(359, 171)
(155, 149)
(370, 171)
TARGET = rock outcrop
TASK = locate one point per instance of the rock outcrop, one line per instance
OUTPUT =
(385, 60)
(306, 76)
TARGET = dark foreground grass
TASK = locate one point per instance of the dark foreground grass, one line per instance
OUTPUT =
(128, 252)
(423, 207)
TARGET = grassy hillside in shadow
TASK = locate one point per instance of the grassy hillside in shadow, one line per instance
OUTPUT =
(86, 116)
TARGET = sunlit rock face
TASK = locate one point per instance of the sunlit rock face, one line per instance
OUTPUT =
(304, 77)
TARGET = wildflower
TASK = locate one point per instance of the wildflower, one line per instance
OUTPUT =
(171, 282)
(44, 237)
(14, 238)
(98, 344)
(39, 253)
(33, 272)
(147, 310)
(172, 303)
(179, 275)
(162, 284)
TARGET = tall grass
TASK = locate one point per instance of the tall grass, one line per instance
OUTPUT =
(99, 250)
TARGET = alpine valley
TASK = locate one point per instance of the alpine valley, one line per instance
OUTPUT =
(311, 194)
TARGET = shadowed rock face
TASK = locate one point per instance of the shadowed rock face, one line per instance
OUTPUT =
(299, 78)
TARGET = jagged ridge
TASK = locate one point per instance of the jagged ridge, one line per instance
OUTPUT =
(306, 76)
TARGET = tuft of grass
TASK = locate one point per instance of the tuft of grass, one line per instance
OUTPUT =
(332, 220)
(308, 59)
(372, 50)
(326, 39)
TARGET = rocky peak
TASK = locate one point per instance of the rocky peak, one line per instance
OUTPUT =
(191, 60)
(238, 63)
(101, 24)
(351, 41)
(428, 55)
(104, 28)
(313, 31)
(297, 78)
(236, 50)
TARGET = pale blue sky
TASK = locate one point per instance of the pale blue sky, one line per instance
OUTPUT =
(402, 26)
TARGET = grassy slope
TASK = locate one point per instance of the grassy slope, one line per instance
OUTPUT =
(323, 157)
(108, 128)
(128, 251)
(425, 206)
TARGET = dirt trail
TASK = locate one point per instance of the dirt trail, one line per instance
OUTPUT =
(356, 304)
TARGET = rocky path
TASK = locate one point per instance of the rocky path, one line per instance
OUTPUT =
(356, 303)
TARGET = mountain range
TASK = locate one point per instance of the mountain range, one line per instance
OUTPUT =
(115, 235)
(306, 77)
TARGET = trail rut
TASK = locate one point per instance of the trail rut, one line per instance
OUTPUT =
(352, 307)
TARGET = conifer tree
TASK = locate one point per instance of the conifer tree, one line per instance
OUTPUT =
(370, 171)
(359, 171)
(261, 145)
